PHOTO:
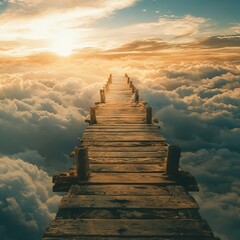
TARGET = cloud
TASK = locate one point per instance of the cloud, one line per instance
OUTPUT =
(217, 170)
(38, 107)
(142, 46)
(221, 41)
(198, 107)
(169, 28)
(236, 28)
(40, 25)
(26, 202)
(44, 100)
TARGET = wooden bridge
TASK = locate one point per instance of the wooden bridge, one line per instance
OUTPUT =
(126, 183)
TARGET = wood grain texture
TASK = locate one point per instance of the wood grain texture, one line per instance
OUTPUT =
(128, 227)
(128, 202)
(129, 168)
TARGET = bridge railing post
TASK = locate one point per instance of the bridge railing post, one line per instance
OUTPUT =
(93, 118)
(136, 95)
(110, 78)
(172, 161)
(148, 115)
(102, 96)
(83, 164)
(130, 84)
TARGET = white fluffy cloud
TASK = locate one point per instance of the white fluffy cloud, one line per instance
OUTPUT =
(198, 108)
(43, 107)
(45, 112)
(26, 202)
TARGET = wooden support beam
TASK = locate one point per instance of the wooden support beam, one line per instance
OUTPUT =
(83, 164)
(102, 96)
(136, 95)
(172, 161)
(148, 115)
(93, 118)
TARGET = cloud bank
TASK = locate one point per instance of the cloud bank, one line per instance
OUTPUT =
(198, 108)
(44, 101)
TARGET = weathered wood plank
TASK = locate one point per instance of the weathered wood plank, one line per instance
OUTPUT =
(126, 131)
(112, 121)
(122, 138)
(119, 121)
(123, 134)
(160, 148)
(121, 116)
(120, 160)
(116, 126)
(130, 168)
(125, 202)
(120, 190)
(123, 144)
(146, 135)
(90, 213)
(93, 154)
(129, 178)
(128, 227)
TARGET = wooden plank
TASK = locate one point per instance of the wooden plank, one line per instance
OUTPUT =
(119, 121)
(123, 117)
(128, 202)
(110, 110)
(119, 160)
(146, 135)
(127, 121)
(123, 144)
(123, 138)
(129, 178)
(130, 168)
(105, 114)
(93, 154)
(120, 190)
(126, 131)
(128, 227)
(91, 213)
(116, 126)
(122, 130)
(160, 148)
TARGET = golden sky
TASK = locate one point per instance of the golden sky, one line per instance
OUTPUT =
(128, 26)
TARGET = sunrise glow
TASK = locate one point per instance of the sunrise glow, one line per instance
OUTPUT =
(62, 44)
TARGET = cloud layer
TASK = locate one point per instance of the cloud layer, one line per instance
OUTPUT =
(198, 108)
(44, 101)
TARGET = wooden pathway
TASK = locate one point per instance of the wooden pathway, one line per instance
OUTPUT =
(128, 194)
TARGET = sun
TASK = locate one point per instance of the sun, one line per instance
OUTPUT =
(62, 44)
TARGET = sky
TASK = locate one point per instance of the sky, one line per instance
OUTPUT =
(54, 55)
